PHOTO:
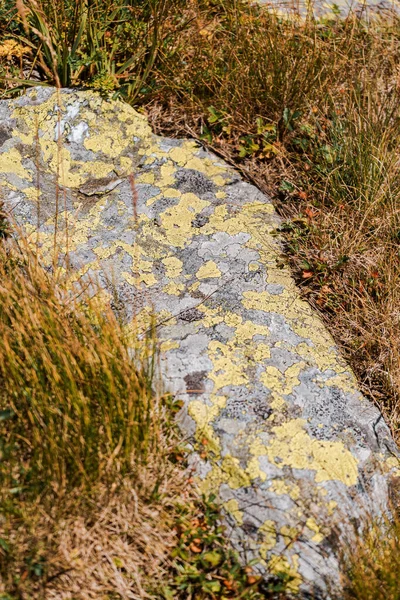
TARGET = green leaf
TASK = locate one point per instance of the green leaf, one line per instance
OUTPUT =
(168, 593)
(214, 114)
(6, 414)
(206, 135)
(213, 558)
(211, 586)
(286, 116)
(286, 186)
(38, 569)
(260, 125)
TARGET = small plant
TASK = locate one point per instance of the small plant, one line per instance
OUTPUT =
(205, 566)
(372, 565)
(109, 46)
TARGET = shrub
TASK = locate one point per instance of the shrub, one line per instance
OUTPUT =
(108, 45)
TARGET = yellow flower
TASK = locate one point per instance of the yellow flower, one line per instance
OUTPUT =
(10, 48)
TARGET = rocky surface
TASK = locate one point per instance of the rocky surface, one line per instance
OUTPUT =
(332, 10)
(285, 440)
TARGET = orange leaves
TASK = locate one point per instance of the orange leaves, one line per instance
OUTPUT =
(303, 195)
(310, 212)
(195, 547)
(307, 274)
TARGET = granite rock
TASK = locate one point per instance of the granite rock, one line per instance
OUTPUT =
(295, 454)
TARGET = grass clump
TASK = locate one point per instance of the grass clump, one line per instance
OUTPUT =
(375, 563)
(83, 452)
(79, 407)
(109, 46)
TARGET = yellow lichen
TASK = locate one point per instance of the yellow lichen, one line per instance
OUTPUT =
(236, 476)
(173, 289)
(268, 533)
(280, 565)
(173, 266)
(228, 365)
(290, 445)
(280, 487)
(232, 507)
(208, 270)
(314, 527)
(177, 220)
(204, 415)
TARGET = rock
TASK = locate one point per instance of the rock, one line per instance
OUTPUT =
(330, 11)
(286, 441)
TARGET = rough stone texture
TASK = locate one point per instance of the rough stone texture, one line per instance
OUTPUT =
(329, 9)
(291, 448)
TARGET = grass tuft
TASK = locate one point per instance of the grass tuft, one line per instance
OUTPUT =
(109, 45)
(78, 407)
(373, 567)
(84, 454)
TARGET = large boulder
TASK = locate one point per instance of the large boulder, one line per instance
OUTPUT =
(281, 434)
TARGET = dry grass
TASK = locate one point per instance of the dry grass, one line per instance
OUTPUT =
(88, 484)
(310, 113)
(114, 545)
(82, 407)
(374, 566)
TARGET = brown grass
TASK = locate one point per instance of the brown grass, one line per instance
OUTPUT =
(113, 545)
(374, 564)
(310, 113)
(89, 489)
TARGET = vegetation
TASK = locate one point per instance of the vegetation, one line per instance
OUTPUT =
(309, 111)
(374, 565)
(107, 45)
(94, 501)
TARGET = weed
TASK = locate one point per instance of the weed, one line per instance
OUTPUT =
(373, 563)
(109, 46)
(204, 566)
